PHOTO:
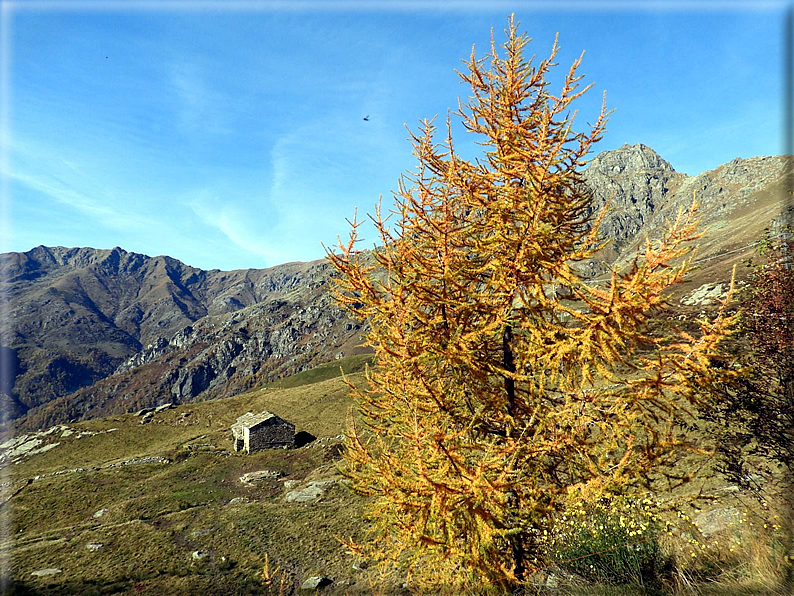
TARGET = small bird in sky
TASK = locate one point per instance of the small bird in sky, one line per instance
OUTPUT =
(366, 118)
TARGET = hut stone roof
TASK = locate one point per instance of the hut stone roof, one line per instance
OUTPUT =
(249, 420)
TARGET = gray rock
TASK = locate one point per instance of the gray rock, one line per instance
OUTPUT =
(13, 441)
(706, 294)
(147, 459)
(192, 381)
(304, 495)
(198, 555)
(43, 449)
(43, 572)
(717, 520)
(101, 512)
(635, 181)
(151, 352)
(316, 582)
(183, 338)
(94, 546)
(200, 447)
(52, 429)
(312, 491)
(24, 448)
(251, 477)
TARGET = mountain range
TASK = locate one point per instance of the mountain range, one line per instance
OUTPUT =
(102, 332)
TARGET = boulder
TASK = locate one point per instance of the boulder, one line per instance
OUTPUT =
(303, 495)
(251, 477)
(43, 449)
(717, 520)
(24, 448)
(311, 492)
(706, 294)
(43, 572)
(316, 582)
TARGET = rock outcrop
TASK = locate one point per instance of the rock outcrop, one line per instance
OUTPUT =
(635, 181)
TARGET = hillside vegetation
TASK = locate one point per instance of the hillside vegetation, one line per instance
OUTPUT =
(154, 494)
(121, 507)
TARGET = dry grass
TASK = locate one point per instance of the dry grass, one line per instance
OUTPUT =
(159, 514)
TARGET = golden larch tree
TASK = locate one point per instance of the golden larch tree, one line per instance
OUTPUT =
(498, 384)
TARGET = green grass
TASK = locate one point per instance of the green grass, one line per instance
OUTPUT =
(159, 514)
(324, 372)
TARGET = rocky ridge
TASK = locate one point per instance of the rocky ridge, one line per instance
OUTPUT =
(100, 332)
(222, 332)
(636, 182)
(645, 193)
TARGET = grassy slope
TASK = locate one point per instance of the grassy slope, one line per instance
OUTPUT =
(159, 514)
(329, 370)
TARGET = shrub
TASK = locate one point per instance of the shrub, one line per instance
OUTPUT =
(611, 540)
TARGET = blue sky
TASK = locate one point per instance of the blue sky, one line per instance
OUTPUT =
(231, 135)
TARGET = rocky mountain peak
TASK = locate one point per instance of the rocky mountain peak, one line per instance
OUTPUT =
(61, 257)
(629, 160)
(635, 181)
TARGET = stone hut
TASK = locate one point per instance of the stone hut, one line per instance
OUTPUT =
(253, 432)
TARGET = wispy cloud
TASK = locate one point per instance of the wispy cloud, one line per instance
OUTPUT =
(238, 226)
(70, 200)
(62, 192)
(310, 175)
(70, 186)
(197, 103)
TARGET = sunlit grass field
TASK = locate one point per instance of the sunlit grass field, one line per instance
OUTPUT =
(157, 516)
